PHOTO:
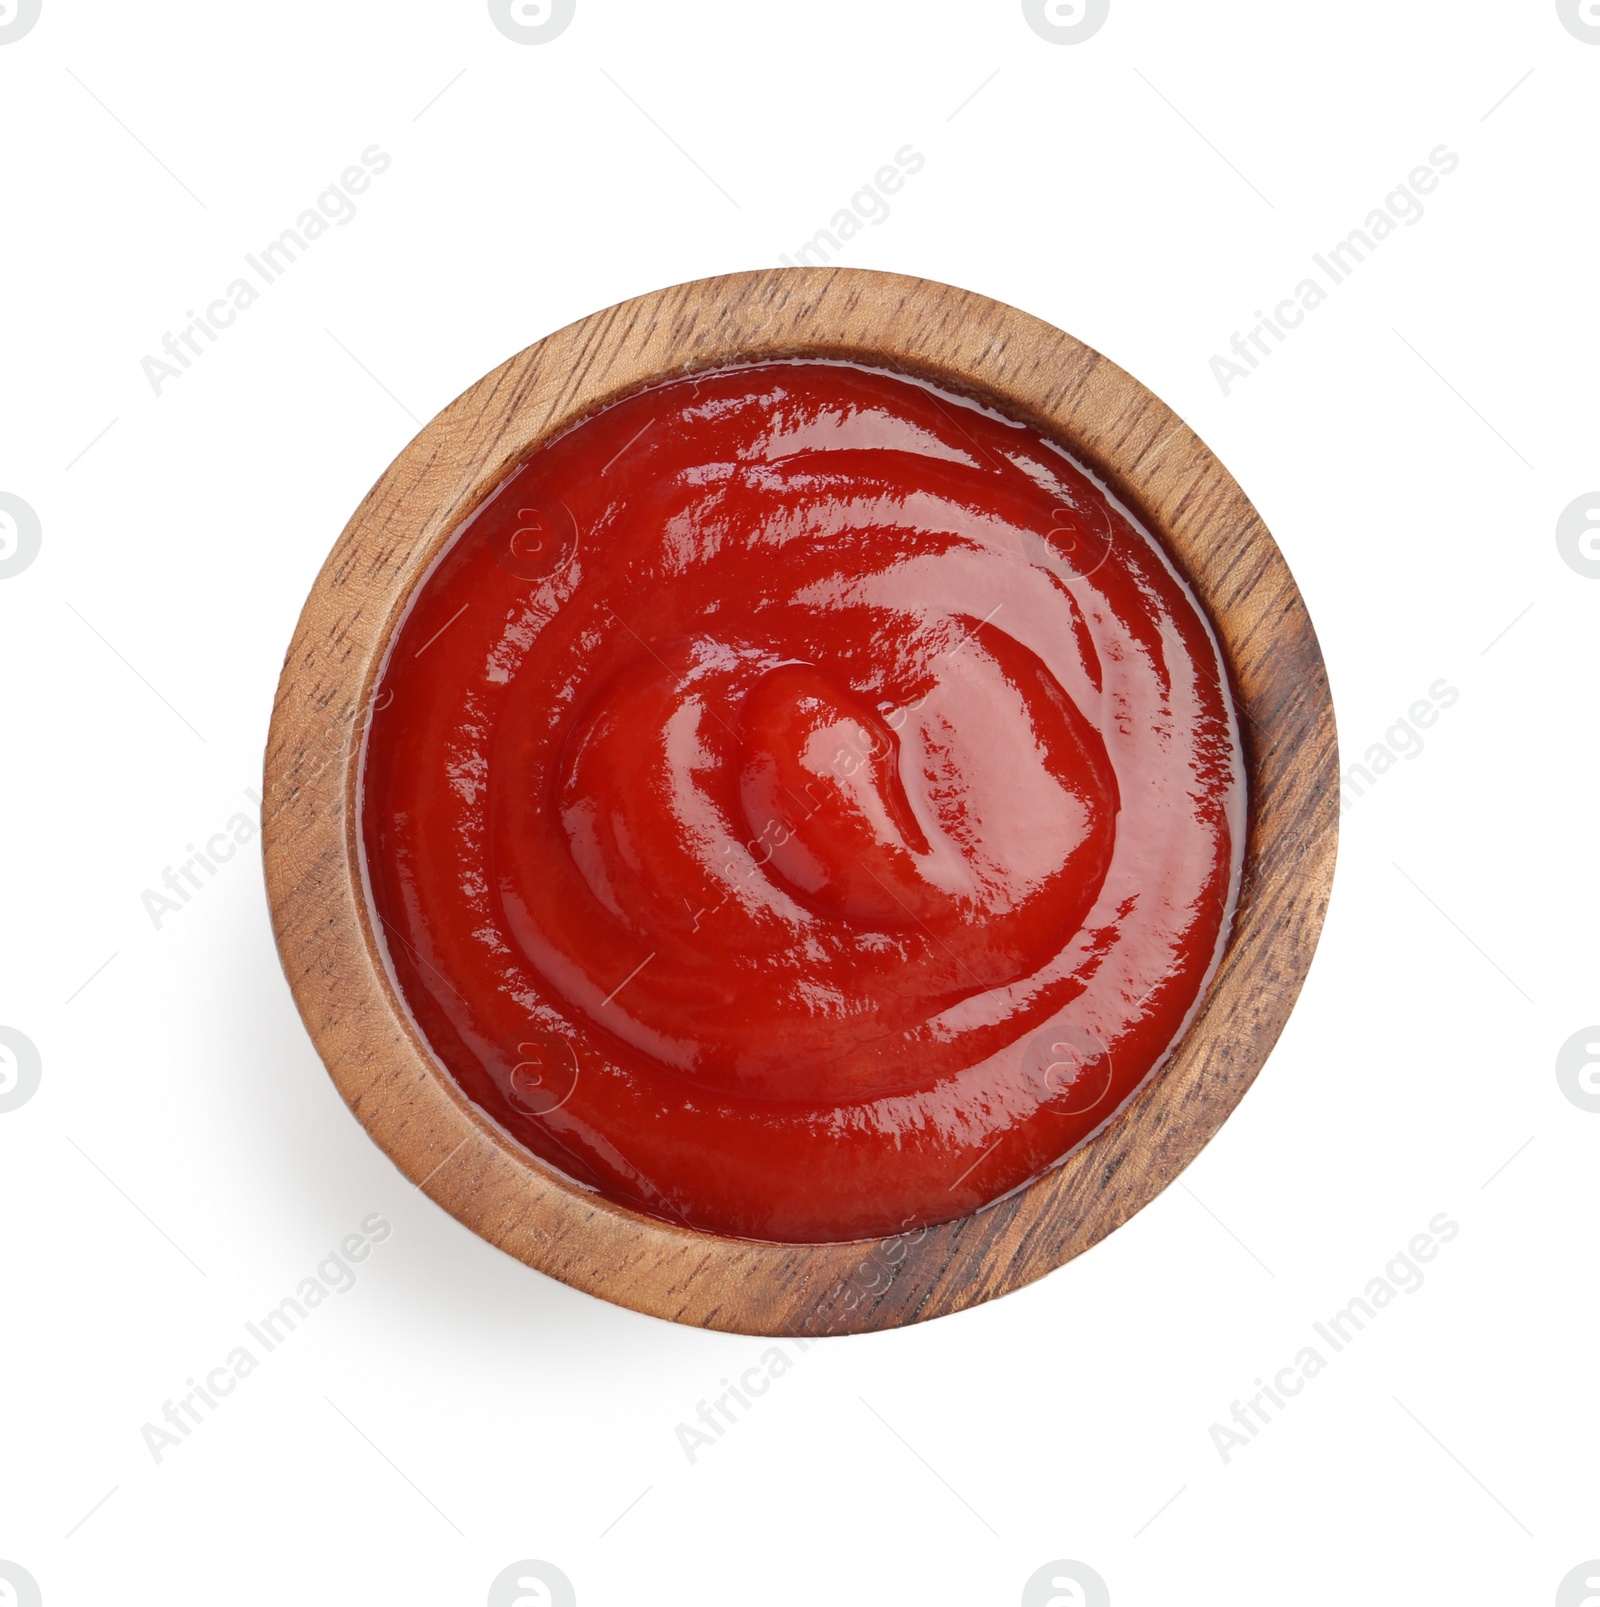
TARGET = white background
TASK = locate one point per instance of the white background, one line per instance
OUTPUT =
(1411, 447)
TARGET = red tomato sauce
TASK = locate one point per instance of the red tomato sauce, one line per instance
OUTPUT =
(802, 803)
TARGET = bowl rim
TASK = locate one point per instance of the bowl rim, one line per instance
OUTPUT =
(322, 917)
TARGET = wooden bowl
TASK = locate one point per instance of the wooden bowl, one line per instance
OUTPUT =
(324, 925)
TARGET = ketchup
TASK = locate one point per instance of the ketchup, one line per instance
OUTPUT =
(802, 804)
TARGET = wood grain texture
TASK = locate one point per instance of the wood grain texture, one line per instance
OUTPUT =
(322, 918)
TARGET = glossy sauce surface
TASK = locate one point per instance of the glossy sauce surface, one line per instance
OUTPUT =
(802, 804)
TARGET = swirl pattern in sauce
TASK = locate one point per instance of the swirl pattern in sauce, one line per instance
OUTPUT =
(802, 803)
